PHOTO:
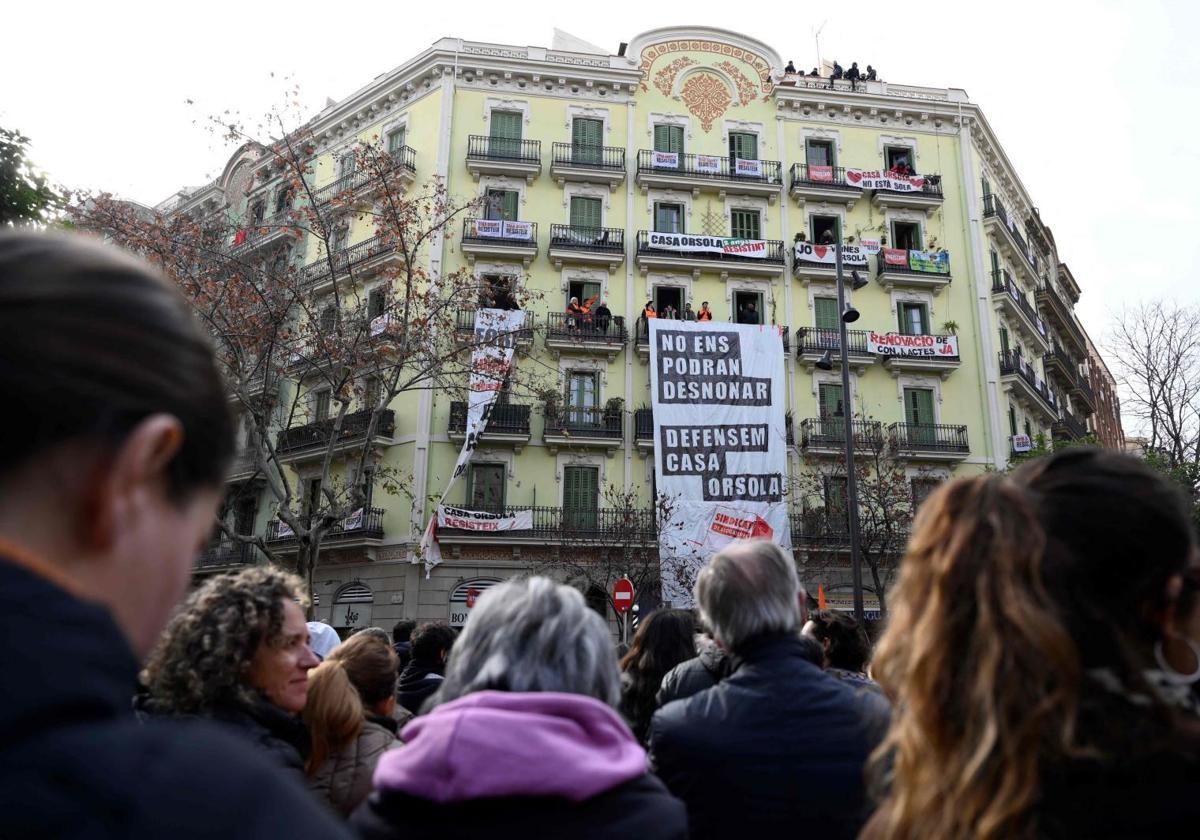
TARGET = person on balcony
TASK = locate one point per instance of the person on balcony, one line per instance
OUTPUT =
(853, 74)
(575, 313)
(705, 314)
(791, 68)
(670, 313)
(871, 76)
(689, 314)
(648, 311)
(815, 73)
(602, 317)
(837, 73)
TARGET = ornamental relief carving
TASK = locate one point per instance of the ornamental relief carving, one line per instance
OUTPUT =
(707, 97)
(761, 68)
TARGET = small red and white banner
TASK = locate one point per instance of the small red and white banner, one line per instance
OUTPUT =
(852, 255)
(912, 346)
(478, 520)
(820, 173)
(708, 163)
(870, 246)
(1021, 443)
(895, 256)
(729, 524)
(885, 179)
(664, 160)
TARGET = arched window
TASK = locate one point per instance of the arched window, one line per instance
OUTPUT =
(352, 607)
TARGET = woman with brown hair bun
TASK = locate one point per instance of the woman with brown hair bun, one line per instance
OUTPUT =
(350, 713)
(1021, 658)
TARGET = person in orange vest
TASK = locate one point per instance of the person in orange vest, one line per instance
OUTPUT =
(648, 310)
(575, 313)
(705, 314)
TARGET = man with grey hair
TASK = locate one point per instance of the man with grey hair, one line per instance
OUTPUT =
(778, 744)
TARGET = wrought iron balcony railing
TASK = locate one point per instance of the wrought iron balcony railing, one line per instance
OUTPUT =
(226, 553)
(482, 147)
(587, 155)
(366, 523)
(930, 437)
(1002, 283)
(318, 435)
(499, 232)
(586, 328)
(505, 418)
(711, 167)
(592, 239)
(820, 339)
(616, 526)
(403, 158)
(318, 270)
(806, 175)
(1013, 364)
(585, 422)
(464, 325)
(830, 433)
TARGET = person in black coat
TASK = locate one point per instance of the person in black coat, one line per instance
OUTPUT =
(402, 642)
(431, 644)
(110, 476)
(708, 667)
(778, 743)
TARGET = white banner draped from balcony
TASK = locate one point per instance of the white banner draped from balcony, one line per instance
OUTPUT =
(690, 243)
(894, 344)
(885, 179)
(717, 393)
(852, 255)
(478, 520)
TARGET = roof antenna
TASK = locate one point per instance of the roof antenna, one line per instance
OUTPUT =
(817, 39)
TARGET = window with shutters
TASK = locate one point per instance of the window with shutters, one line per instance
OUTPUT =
(743, 146)
(837, 503)
(258, 211)
(501, 204)
(587, 138)
(346, 165)
(584, 290)
(339, 239)
(895, 156)
(922, 489)
(485, 487)
(668, 218)
(914, 319)
(825, 310)
(1005, 346)
(321, 405)
(745, 224)
(327, 320)
(375, 303)
(825, 229)
(581, 496)
(918, 413)
(505, 133)
(583, 398)
(585, 212)
(245, 511)
(833, 415)
(668, 138)
(995, 261)
(986, 185)
(1028, 429)
(1012, 420)
(283, 200)
(312, 499)
(906, 235)
(395, 139)
(818, 152)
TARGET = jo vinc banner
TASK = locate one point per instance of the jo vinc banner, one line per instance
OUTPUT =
(852, 255)
(688, 243)
(720, 440)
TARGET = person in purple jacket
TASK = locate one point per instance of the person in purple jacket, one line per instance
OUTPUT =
(523, 739)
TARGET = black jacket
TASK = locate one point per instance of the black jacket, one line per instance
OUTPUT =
(417, 682)
(76, 762)
(703, 671)
(282, 737)
(775, 746)
(640, 809)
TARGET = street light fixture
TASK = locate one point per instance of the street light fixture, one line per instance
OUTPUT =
(849, 316)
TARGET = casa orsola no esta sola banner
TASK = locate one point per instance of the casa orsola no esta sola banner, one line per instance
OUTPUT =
(496, 334)
(719, 440)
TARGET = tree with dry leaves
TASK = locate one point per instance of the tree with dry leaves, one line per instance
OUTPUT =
(316, 355)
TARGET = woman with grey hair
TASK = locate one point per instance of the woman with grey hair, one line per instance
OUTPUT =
(523, 739)
(238, 652)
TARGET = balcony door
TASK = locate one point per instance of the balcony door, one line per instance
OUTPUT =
(906, 235)
(822, 225)
(505, 133)
(583, 398)
(669, 138)
(668, 218)
(742, 146)
(581, 497)
(745, 224)
(837, 504)
(818, 153)
(918, 414)
(826, 318)
(395, 140)
(833, 412)
(485, 487)
(586, 216)
(587, 138)
(914, 319)
(501, 204)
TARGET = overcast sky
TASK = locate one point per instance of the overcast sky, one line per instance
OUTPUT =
(1095, 103)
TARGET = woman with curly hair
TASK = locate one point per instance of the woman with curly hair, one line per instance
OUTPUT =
(351, 715)
(664, 639)
(1024, 658)
(237, 652)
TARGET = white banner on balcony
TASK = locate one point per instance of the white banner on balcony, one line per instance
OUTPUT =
(708, 163)
(852, 255)
(748, 168)
(720, 442)
(915, 346)
(664, 160)
(496, 335)
(478, 520)
(502, 229)
(885, 179)
(688, 243)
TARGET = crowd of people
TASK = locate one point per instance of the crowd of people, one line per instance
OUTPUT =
(853, 75)
(1037, 674)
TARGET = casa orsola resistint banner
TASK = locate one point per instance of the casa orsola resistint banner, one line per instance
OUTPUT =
(720, 442)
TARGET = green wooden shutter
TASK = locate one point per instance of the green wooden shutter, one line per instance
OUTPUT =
(506, 134)
(502, 204)
(668, 218)
(1012, 420)
(987, 187)
(914, 319)
(587, 136)
(743, 146)
(744, 224)
(1004, 345)
(918, 413)
(395, 140)
(585, 212)
(818, 153)
(581, 490)
(833, 420)
(668, 138)
(826, 311)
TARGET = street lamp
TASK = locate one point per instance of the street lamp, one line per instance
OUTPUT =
(849, 316)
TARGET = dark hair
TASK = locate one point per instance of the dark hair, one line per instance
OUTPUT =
(370, 664)
(849, 648)
(811, 650)
(94, 341)
(663, 640)
(430, 639)
(403, 630)
(1040, 581)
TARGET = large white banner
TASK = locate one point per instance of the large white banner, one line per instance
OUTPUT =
(720, 442)
(852, 255)
(918, 346)
(686, 242)
(503, 229)
(478, 520)
(496, 334)
(885, 179)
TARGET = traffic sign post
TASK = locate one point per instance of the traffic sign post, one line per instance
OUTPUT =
(622, 597)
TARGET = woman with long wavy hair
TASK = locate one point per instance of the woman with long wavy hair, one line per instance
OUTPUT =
(664, 639)
(1024, 657)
